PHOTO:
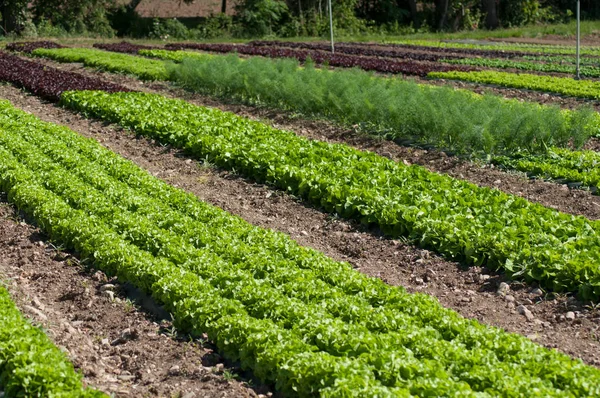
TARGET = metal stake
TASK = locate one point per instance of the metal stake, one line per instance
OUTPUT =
(578, 36)
(331, 27)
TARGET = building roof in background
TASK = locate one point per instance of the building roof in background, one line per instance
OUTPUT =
(179, 9)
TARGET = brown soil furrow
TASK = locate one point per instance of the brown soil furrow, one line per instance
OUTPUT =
(119, 348)
(471, 292)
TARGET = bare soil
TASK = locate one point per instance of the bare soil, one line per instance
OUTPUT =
(470, 291)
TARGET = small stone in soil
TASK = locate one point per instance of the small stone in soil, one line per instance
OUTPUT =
(503, 289)
(509, 298)
(99, 276)
(110, 294)
(537, 292)
(37, 312)
(430, 274)
(525, 311)
(37, 304)
(570, 316)
(108, 286)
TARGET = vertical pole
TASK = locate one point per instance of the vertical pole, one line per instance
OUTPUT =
(331, 27)
(578, 36)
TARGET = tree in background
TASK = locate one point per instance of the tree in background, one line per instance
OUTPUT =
(13, 15)
(75, 16)
(286, 17)
(261, 17)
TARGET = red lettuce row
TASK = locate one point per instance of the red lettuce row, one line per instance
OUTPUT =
(48, 82)
(352, 49)
(124, 47)
(368, 48)
(29, 46)
(384, 65)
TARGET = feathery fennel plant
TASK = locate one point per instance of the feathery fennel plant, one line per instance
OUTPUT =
(399, 109)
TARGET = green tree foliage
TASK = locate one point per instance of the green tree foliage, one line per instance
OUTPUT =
(286, 17)
(75, 16)
(259, 17)
(12, 15)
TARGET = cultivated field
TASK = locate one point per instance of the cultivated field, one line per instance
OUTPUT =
(418, 218)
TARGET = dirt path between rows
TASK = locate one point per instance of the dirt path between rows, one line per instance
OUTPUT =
(119, 348)
(472, 292)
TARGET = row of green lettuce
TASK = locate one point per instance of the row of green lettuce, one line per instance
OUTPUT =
(563, 59)
(552, 84)
(461, 220)
(524, 47)
(296, 318)
(30, 364)
(585, 70)
(575, 167)
(146, 69)
(454, 120)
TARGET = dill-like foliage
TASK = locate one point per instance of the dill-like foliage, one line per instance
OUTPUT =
(399, 109)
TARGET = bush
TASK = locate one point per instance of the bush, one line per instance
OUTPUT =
(168, 28)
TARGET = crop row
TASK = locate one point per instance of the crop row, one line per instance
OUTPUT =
(47, 82)
(29, 46)
(109, 61)
(357, 50)
(586, 70)
(295, 317)
(401, 110)
(563, 165)
(459, 52)
(30, 364)
(175, 55)
(563, 59)
(527, 49)
(465, 222)
(123, 47)
(552, 84)
(320, 57)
